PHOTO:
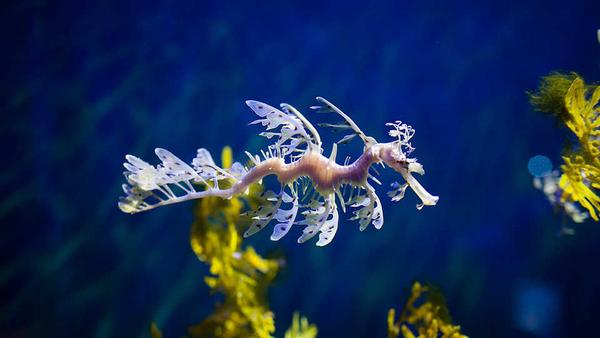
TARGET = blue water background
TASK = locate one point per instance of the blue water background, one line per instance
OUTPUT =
(85, 83)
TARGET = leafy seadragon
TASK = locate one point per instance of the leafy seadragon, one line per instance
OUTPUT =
(309, 181)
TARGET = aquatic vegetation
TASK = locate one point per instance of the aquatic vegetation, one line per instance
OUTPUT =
(240, 274)
(301, 328)
(309, 181)
(430, 319)
(549, 184)
(580, 112)
(155, 331)
(237, 272)
(550, 96)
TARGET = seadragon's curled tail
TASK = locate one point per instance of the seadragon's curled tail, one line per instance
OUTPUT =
(310, 182)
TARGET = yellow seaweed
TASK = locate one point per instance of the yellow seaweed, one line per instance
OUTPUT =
(240, 274)
(577, 107)
(428, 320)
(301, 328)
(243, 277)
(550, 97)
(236, 271)
(155, 331)
(573, 181)
(581, 170)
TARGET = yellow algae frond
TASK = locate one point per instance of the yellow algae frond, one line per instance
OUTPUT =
(240, 274)
(155, 331)
(577, 181)
(301, 328)
(550, 97)
(576, 104)
(581, 171)
(428, 320)
(582, 106)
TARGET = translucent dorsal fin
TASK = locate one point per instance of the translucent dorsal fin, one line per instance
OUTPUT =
(333, 153)
(348, 123)
(289, 108)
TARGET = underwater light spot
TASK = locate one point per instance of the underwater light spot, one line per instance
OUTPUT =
(539, 166)
(537, 307)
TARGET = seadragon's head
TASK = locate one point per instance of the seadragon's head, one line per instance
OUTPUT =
(396, 155)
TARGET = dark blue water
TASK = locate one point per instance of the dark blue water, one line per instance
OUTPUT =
(84, 84)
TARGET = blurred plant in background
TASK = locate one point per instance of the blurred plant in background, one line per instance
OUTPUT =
(301, 328)
(243, 277)
(240, 274)
(428, 320)
(155, 332)
(575, 104)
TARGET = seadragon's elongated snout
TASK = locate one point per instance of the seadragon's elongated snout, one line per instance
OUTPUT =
(424, 195)
(406, 168)
(395, 154)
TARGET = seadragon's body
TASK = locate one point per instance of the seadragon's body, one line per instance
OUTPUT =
(296, 156)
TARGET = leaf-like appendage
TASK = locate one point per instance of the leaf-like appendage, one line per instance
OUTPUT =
(329, 228)
(174, 170)
(141, 173)
(399, 191)
(292, 132)
(370, 209)
(318, 220)
(171, 181)
(403, 132)
(285, 217)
